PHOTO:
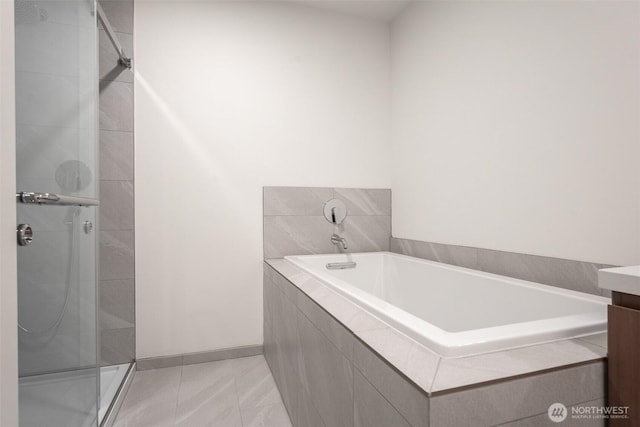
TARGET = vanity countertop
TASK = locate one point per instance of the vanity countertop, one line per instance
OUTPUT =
(620, 279)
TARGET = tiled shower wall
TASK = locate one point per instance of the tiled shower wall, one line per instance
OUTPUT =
(294, 223)
(117, 281)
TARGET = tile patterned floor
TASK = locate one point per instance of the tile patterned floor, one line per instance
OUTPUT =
(228, 393)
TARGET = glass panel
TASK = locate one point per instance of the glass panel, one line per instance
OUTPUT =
(56, 152)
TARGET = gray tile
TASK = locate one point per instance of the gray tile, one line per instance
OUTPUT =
(284, 267)
(116, 205)
(598, 339)
(449, 254)
(116, 155)
(365, 201)
(334, 331)
(207, 396)
(47, 99)
(306, 413)
(371, 409)
(109, 69)
(222, 354)
(284, 358)
(268, 296)
(116, 106)
(158, 362)
(325, 374)
(345, 311)
(268, 344)
(568, 274)
(305, 282)
(295, 200)
(296, 235)
(117, 346)
(520, 398)
(270, 305)
(120, 14)
(44, 48)
(366, 233)
(202, 373)
(464, 371)
(266, 416)
(415, 361)
(289, 290)
(542, 420)
(116, 255)
(254, 383)
(117, 304)
(408, 399)
(151, 399)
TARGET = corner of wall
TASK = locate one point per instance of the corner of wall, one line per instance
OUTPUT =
(8, 273)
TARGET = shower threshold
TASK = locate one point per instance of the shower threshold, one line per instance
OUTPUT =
(110, 379)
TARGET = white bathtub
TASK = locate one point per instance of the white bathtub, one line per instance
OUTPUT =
(457, 311)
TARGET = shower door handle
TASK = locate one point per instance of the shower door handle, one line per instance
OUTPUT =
(54, 199)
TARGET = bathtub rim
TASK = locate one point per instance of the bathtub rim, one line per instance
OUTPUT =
(446, 375)
(457, 344)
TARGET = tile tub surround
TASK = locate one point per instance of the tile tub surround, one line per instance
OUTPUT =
(563, 273)
(116, 276)
(294, 223)
(315, 339)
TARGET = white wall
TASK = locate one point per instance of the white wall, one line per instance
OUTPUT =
(230, 97)
(8, 278)
(516, 127)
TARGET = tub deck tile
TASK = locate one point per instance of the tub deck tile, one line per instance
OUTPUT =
(409, 399)
(346, 312)
(519, 398)
(473, 370)
(333, 330)
(599, 339)
(371, 409)
(414, 360)
(426, 369)
(326, 375)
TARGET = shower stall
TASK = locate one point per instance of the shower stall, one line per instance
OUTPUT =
(61, 379)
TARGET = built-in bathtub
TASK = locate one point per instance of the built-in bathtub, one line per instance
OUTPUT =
(457, 311)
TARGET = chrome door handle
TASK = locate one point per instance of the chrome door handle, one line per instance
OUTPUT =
(54, 199)
(25, 234)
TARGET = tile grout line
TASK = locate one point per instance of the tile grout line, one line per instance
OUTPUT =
(435, 375)
(353, 384)
(592, 343)
(235, 388)
(175, 410)
(379, 392)
(544, 413)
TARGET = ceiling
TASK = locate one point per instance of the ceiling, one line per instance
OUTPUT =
(381, 10)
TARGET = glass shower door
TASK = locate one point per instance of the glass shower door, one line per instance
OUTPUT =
(56, 152)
